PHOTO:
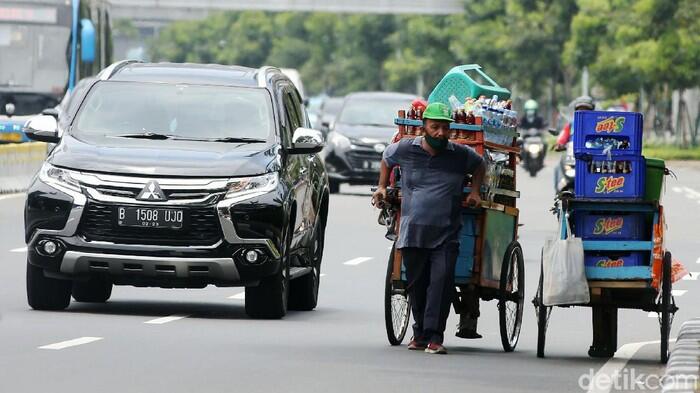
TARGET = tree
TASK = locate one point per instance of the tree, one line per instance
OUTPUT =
(639, 45)
(421, 53)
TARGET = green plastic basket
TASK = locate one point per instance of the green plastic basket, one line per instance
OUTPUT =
(656, 170)
(466, 81)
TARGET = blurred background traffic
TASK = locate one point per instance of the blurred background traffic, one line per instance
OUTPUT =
(637, 55)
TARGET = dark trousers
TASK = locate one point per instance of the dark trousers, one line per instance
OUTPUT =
(430, 274)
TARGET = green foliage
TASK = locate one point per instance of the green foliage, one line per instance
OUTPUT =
(535, 45)
(637, 43)
(672, 152)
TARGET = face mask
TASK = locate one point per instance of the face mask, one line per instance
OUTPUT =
(436, 143)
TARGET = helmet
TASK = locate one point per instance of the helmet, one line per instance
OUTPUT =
(583, 103)
(531, 105)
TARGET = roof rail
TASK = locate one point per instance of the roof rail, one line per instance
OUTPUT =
(114, 67)
(262, 73)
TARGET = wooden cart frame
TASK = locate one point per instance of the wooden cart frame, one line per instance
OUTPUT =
(618, 287)
(497, 269)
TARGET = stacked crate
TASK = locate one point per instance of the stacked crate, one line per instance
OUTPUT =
(609, 165)
(608, 149)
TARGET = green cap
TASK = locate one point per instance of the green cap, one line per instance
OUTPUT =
(438, 111)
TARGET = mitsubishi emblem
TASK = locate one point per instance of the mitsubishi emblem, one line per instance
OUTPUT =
(152, 192)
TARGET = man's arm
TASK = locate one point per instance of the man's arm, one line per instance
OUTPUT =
(380, 195)
(563, 138)
(474, 197)
(390, 159)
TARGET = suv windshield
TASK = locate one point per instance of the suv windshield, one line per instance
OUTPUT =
(371, 111)
(176, 110)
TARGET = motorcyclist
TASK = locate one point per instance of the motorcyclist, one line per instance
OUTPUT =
(531, 119)
(582, 103)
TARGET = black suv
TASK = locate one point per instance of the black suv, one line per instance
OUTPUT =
(179, 176)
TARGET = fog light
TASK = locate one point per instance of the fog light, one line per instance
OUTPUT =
(50, 247)
(252, 256)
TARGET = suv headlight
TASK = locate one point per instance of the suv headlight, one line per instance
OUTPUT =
(242, 186)
(338, 140)
(58, 178)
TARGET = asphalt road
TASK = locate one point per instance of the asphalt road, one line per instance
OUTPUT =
(209, 345)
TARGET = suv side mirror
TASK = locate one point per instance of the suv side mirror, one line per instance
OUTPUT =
(50, 112)
(42, 128)
(306, 141)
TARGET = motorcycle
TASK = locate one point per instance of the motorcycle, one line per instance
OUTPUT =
(533, 151)
(565, 173)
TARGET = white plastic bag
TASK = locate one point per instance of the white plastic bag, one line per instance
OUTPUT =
(564, 276)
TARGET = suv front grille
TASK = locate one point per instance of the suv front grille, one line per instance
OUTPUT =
(202, 228)
(180, 194)
(359, 159)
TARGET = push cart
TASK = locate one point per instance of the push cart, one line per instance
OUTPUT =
(490, 264)
(612, 283)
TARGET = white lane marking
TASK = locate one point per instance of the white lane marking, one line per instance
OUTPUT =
(10, 196)
(323, 274)
(677, 189)
(690, 193)
(71, 343)
(698, 261)
(678, 292)
(21, 249)
(160, 321)
(604, 380)
(693, 276)
(357, 261)
(238, 296)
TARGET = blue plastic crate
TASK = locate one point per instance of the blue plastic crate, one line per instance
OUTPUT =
(594, 130)
(618, 226)
(619, 273)
(467, 246)
(613, 259)
(589, 184)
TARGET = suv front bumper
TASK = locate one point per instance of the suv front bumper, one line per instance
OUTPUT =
(221, 263)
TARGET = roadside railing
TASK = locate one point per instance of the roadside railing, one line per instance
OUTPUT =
(18, 164)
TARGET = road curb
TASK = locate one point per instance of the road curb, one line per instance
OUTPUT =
(683, 369)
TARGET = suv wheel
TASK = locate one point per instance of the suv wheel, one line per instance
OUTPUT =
(44, 293)
(96, 290)
(303, 291)
(269, 299)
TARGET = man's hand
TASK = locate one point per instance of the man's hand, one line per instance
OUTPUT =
(473, 199)
(379, 197)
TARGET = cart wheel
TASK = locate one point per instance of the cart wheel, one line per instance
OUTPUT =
(665, 306)
(397, 307)
(512, 296)
(543, 313)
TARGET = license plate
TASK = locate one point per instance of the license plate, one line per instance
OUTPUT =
(146, 217)
(373, 165)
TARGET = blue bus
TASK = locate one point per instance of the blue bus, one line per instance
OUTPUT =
(46, 47)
